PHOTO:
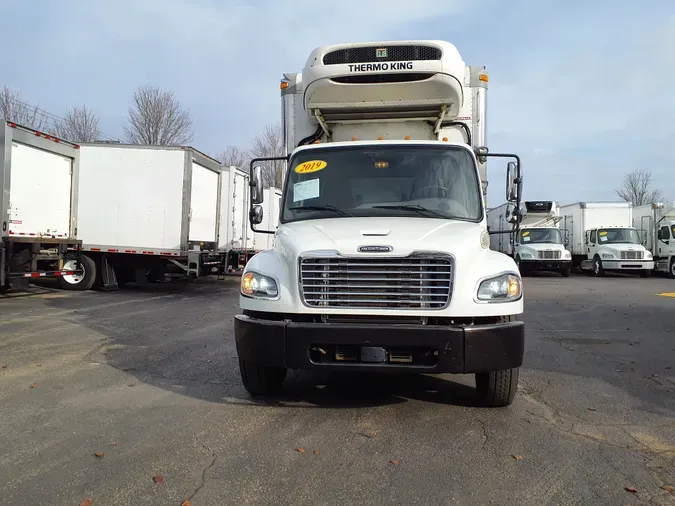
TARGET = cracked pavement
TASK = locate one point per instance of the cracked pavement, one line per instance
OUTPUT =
(149, 377)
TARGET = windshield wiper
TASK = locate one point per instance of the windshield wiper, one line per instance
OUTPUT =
(321, 208)
(418, 208)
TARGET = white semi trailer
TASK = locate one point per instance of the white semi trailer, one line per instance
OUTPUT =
(602, 238)
(38, 206)
(538, 245)
(382, 257)
(236, 240)
(656, 224)
(145, 212)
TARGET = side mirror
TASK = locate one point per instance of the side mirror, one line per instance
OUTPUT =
(513, 182)
(256, 184)
(256, 215)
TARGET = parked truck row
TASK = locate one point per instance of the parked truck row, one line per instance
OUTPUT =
(101, 215)
(593, 236)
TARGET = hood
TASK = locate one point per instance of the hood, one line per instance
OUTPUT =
(403, 234)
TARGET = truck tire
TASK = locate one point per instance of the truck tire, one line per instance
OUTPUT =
(597, 267)
(261, 380)
(566, 271)
(671, 270)
(645, 273)
(79, 282)
(497, 388)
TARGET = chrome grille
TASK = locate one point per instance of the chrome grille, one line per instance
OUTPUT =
(368, 54)
(549, 255)
(386, 283)
(631, 255)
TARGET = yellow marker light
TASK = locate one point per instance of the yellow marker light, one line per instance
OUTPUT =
(483, 77)
(381, 164)
(407, 137)
(283, 85)
(353, 138)
(380, 138)
(514, 288)
(445, 139)
(247, 283)
(318, 141)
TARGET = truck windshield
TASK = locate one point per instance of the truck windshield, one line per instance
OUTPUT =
(540, 236)
(618, 235)
(420, 181)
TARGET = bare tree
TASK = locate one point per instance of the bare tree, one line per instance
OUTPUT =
(235, 156)
(157, 118)
(270, 143)
(14, 109)
(637, 188)
(79, 125)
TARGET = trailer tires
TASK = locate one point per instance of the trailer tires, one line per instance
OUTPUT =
(82, 281)
(261, 380)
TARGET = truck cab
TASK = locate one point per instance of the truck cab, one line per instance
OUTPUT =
(617, 248)
(656, 225)
(536, 242)
(381, 259)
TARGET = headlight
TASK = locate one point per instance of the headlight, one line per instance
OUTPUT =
(527, 255)
(254, 284)
(567, 254)
(503, 288)
(648, 255)
(607, 255)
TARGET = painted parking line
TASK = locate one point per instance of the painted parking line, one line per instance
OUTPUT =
(667, 294)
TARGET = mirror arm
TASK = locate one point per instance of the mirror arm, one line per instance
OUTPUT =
(251, 186)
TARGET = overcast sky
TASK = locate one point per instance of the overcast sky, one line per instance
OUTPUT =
(583, 90)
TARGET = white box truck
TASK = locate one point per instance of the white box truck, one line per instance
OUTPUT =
(236, 239)
(656, 224)
(38, 206)
(382, 258)
(538, 245)
(602, 238)
(145, 212)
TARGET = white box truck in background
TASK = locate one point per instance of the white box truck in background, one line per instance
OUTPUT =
(38, 206)
(382, 258)
(602, 238)
(656, 224)
(539, 244)
(145, 212)
(236, 239)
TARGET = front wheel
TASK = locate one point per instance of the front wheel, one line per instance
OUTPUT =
(597, 267)
(566, 271)
(645, 273)
(671, 271)
(261, 380)
(497, 388)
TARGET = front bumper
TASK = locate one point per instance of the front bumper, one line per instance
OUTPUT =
(626, 265)
(431, 348)
(544, 265)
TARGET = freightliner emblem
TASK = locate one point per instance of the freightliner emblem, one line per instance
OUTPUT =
(375, 249)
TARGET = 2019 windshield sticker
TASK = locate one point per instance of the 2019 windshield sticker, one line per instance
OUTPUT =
(310, 166)
(306, 190)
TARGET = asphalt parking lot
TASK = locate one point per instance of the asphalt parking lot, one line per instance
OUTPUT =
(148, 379)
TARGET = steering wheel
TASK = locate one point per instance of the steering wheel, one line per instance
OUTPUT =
(443, 188)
